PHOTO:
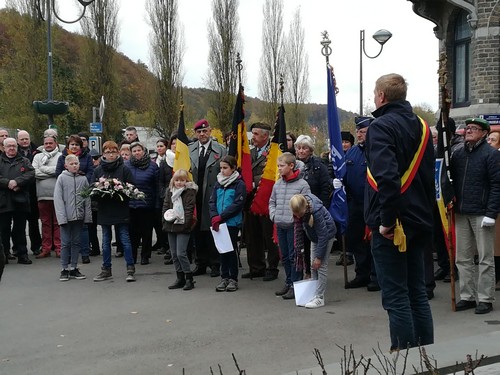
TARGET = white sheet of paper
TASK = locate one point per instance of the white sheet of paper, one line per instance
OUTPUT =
(222, 239)
(304, 291)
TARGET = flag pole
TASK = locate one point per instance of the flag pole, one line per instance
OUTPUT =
(327, 51)
(446, 136)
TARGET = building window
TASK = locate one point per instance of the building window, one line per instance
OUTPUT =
(461, 84)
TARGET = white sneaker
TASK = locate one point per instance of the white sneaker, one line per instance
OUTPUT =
(316, 302)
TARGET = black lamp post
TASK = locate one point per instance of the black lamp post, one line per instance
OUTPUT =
(51, 107)
(381, 36)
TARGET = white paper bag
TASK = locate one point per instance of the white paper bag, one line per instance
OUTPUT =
(304, 291)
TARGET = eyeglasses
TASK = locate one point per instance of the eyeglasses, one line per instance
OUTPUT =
(110, 152)
(473, 128)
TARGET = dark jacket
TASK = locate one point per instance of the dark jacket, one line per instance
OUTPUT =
(355, 177)
(323, 228)
(391, 143)
(164, 175)
(146, 180)
(19, 169)
(188, 197)
(475, 174)
(113, 211)
(316, 175)
(228, 202)
(86, 165)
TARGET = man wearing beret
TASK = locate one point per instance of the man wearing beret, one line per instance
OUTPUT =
(205, 156)
(475, 172)
(355, 181)
(259, 229)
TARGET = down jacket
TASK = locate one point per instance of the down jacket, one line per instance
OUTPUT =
(323, 228)
(228, 202)
(475, 172)
(279, 203)
(68, 203)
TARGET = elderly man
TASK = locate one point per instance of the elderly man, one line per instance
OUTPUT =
(16, 175)
(259, 229)
(355, 183)
(4, 133)
(28, 149)
(205, 155)
(45, 164)
(400, 197)
(475, 172)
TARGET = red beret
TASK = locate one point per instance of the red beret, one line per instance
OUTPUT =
(201, 124)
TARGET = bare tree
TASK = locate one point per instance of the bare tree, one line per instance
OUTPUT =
(272, 58)
(224, 43)
(101, 27)
(297, 73)
(167, 50)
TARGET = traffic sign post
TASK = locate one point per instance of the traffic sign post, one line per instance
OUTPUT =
(96, 127)
(95, 143)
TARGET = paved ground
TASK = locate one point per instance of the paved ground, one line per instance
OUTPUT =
(114, 327)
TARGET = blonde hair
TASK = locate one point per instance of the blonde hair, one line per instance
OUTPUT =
(181, 174)
(299, 206)
(288, 158)
(393, 86)
(70, 157)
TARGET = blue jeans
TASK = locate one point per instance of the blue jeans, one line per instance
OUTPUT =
(71, 243)
(122, 232)
(402, 279)
(285, 241)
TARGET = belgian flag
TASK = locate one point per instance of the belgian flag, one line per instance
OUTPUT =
(182, 159)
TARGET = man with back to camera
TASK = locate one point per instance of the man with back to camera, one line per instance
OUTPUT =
(400, 161)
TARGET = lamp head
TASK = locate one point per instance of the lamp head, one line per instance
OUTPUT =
(382, 36)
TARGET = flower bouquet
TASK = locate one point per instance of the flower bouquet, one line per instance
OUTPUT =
(113, 188)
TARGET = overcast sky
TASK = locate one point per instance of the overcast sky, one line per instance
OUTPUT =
(412, 51)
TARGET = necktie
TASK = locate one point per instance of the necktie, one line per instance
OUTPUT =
(202, 153)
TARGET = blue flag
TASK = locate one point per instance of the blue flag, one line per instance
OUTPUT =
(338, 205)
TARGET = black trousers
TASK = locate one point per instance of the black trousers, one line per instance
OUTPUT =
(18, 233)
(259, 239)
(357, 245)
(141, 227)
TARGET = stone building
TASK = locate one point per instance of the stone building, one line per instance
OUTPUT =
(469, 34)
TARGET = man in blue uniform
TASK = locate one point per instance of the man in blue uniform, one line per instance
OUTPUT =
(400, 162)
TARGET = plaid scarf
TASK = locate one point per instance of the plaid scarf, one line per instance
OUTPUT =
(298, 238)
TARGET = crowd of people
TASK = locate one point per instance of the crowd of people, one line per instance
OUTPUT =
(389, 185)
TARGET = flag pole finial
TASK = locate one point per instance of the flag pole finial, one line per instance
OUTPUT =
(325, 42)
(239, 66)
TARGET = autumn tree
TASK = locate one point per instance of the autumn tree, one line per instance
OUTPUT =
(296, 75)
(101, 28)
(272, 58)
(224, 44)
(167, 50)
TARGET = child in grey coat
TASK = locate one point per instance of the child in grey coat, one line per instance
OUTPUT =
(72, 212)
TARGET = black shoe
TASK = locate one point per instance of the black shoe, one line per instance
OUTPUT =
(85, 260)
(251, 275)
(373, 286)
(11, 257)
(199, 271)
(289, 295)
(189, 281)
(440, 274)
(357, 283)
(144, 261)
(24, 260)
(270, 275)
(179, 282)
(349, 260)
(465, 305)
(483, 308)
(94, 253)
(282, 291)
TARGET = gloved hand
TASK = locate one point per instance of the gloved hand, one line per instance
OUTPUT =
(216, 220)
(337, 184)
(487, 222)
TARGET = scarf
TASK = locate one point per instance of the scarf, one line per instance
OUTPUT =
(46, 155)
(78, 153)
(177, 205)
(109, 166)
(225, 181)
(142, 163)
(298, 238)
(169, 158)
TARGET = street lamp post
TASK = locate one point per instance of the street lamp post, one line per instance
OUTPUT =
(381, 36)
(49, 106)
